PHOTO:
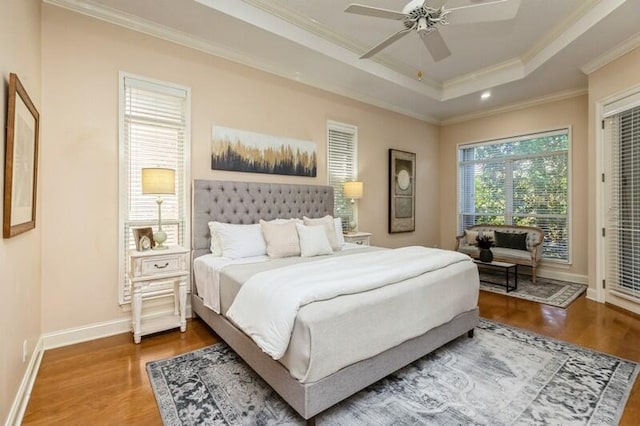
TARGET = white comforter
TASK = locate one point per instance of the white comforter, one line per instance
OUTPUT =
(267, 304)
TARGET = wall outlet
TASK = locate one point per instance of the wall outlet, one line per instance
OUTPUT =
(24, 351)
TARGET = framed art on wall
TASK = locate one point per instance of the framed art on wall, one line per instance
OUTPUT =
(244, 151)
(20, 161)
(402, 191)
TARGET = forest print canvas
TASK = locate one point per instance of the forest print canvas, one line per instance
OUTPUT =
(244, 151)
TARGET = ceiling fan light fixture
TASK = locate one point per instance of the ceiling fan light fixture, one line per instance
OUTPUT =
(425, 16)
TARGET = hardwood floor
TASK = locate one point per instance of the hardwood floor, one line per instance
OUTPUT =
(105, 381)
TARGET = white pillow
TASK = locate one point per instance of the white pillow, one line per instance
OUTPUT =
(329, 227)
(281, 238)
(337, 223)
(313, 241)
(238, 241)
(216, 247)
(294, 220)
(470, 236)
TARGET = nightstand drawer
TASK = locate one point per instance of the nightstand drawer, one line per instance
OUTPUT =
(360, 238)
(161, 265)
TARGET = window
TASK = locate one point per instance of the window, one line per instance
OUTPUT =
(341, 166)
(518, 181)
(154, 132)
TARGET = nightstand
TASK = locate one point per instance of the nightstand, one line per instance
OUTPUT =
(156, 269)
(361, 238)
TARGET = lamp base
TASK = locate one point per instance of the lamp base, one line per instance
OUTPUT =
(160, 237)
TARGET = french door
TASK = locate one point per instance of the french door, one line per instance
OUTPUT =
(622, 203)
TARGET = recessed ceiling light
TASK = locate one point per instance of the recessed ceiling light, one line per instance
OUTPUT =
(485, 95)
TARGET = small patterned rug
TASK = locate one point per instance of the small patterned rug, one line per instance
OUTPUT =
(502, 376)
(545, 290)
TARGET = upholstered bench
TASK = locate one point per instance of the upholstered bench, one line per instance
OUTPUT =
(510, 245)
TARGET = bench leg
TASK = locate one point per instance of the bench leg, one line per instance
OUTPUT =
(533, 274)
(470, 333)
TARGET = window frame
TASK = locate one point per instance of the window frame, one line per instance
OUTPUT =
(347, 128)
(515, 137)
(123, 181)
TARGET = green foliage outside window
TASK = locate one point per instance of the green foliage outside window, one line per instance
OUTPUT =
(519, 182)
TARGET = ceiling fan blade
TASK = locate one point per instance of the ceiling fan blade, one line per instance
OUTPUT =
(435, 44)
(397, 36)
(500, 10)
(359, 9)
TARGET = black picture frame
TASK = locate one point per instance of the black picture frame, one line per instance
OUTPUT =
(402, 191)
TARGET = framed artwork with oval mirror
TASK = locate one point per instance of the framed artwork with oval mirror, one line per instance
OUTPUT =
(402, 191)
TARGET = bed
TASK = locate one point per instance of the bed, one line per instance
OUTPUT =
(313, 377)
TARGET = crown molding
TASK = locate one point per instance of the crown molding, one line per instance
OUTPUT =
(619, 51)
(274, 24)
(285, 12)
(135, 23)
(589, 13)
(582, 19)
(554, 97)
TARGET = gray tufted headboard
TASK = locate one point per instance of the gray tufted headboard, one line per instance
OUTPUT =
(248, 202)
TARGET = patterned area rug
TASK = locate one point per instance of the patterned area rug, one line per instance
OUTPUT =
(545, 290)
(502, 376)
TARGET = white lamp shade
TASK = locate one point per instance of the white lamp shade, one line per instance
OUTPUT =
(353, 190)
(158, 181)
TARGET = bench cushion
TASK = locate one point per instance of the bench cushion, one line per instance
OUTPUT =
(497, 252)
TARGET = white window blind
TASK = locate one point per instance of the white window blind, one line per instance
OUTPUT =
(342, 165)
(154, 133)
(622, 139)
(518, 181)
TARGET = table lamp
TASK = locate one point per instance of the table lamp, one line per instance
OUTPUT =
(353, 190)
(159, 181)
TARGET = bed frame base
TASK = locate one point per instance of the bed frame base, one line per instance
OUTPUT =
(309, 399)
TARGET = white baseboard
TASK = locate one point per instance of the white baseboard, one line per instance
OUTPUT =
(85, 333)
(555, 274)
(562, 276)
(94, 331)
(24, 391)
(592, 294)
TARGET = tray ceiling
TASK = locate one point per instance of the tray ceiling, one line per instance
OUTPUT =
(540, 53)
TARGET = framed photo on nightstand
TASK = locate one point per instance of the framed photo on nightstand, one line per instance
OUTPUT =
(143, 238)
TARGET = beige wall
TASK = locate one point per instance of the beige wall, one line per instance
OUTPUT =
(20, 256)
(570, 112)
(81, 60)
(619, 76)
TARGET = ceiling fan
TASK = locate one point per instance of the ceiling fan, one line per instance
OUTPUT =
(424, 16)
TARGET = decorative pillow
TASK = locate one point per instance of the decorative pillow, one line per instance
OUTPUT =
(216, 245)
(337, 223)
(512, 240)
(313, 241)
(238, 241)
(281, 238)
(471, 236)
(329, 227)
(294, 220)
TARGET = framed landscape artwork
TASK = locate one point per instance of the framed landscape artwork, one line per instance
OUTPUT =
(21, 161)
(244, 151)
(402, 191)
